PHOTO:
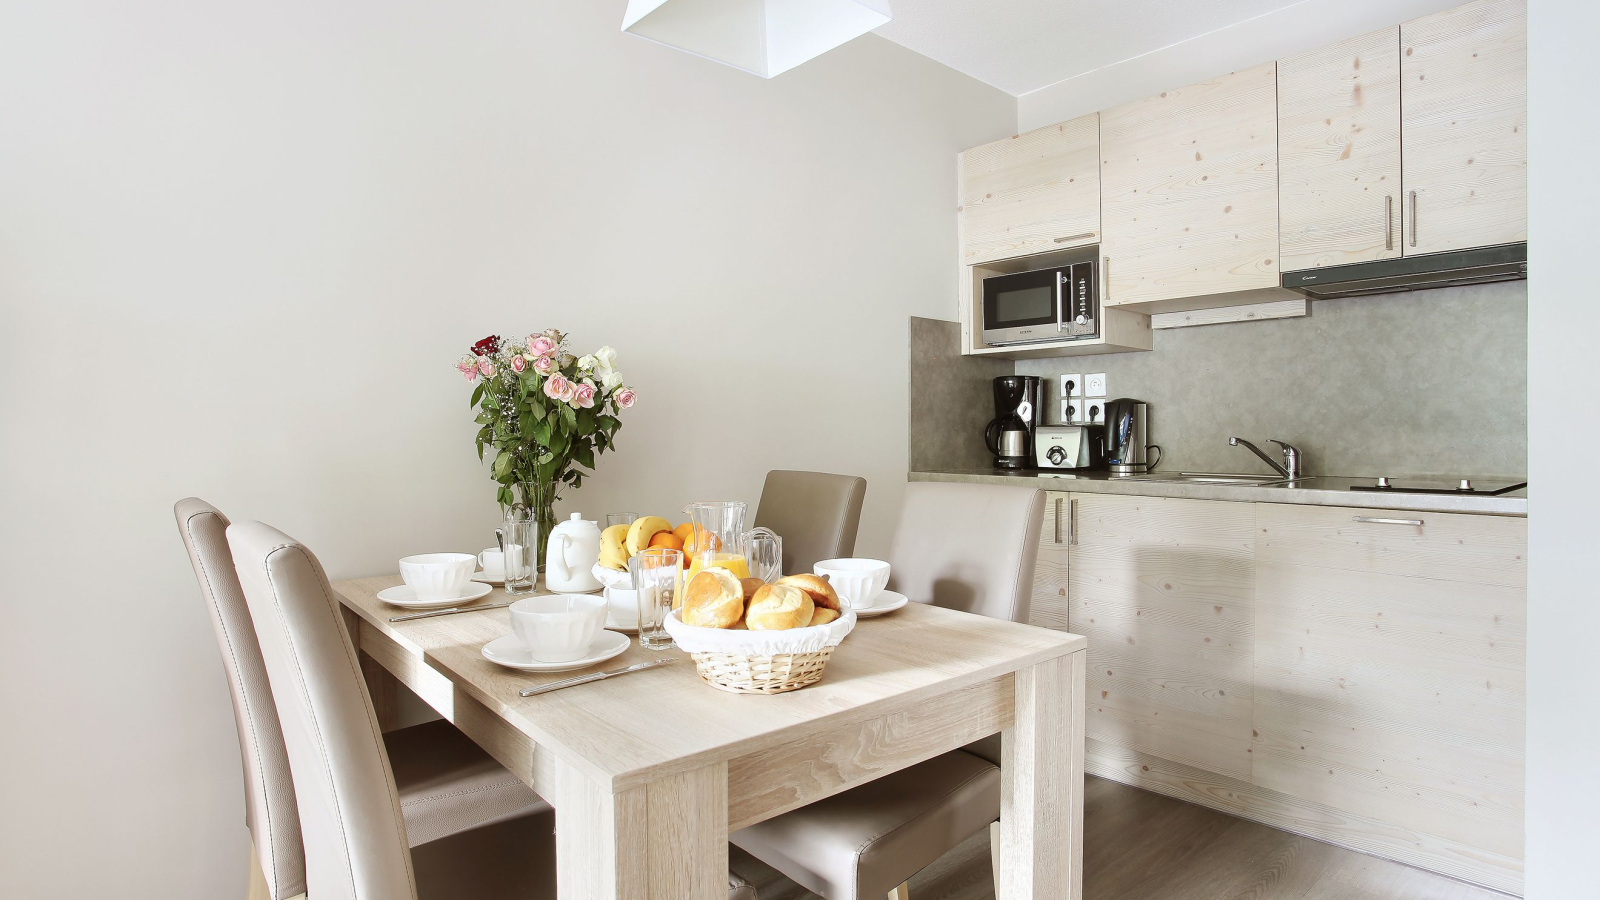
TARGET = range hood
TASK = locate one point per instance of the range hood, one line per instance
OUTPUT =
(1505, 262)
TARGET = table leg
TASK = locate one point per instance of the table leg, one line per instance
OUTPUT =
(667, 840)
(1041, 785)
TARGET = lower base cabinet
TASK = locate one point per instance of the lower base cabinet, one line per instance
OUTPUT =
(1352, 675)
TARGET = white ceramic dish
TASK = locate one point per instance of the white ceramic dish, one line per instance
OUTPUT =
(404, 597)
(858, 581)
(888, 602)
(437, 576)
(486, 578)
(512, 653)
(558, 628)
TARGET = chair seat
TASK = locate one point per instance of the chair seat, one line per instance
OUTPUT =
(448, 784)
(862, 843)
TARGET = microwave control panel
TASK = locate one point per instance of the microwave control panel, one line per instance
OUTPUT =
(1080, 302)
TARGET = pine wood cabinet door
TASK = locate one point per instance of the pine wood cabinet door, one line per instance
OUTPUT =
(1339, 184)
(1165, 592)
(1050, 606)
(1032, 192)
(1189, 192)
(1389, 674)
(1464, 124)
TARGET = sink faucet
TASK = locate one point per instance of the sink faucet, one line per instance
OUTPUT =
(1291, 456)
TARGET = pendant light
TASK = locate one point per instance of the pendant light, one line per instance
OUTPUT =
(763, 37)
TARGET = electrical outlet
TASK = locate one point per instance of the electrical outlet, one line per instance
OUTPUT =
(1071, 411)
(1080, 413)
(1094, 411)
(1095, 385)
(1072, 385)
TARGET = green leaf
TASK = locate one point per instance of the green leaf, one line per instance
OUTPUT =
(489, 400)
(585, 422)
(485, 418)
(569, 417)
(477, 394)
(609, 424)
(480, 450)
(525, 423)
(546, 471)
(541, 433)
(558, 442)
(536, 404)
(502, 465)
(583, 455)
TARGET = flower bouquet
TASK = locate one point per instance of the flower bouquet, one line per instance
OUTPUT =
(545, 413)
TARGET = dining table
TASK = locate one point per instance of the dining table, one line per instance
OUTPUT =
(649, 772)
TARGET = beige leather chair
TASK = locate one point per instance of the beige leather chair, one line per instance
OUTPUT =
(961, 546)
(447, 785)
(815, 513)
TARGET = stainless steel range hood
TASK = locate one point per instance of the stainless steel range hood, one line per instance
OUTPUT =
(1505, 262)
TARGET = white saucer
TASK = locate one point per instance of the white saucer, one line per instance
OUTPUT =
(626, 628)
(401, 595)
(485, 578)
(888, 602)
(510, 652)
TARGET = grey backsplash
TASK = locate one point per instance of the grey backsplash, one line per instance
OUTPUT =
(951, 398)
(1430, 382)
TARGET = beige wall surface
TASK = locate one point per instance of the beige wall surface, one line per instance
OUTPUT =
(241, 246)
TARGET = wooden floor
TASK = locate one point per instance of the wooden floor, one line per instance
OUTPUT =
(1143, 846)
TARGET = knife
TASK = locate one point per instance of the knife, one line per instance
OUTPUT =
(449, 612)
(597, 676)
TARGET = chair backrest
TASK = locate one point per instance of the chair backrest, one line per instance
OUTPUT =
(269, 808)
(355, 838)
(970, 547)
(815, 513)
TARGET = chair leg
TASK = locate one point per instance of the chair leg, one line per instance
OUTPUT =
(903, 892)
(994, 854)
(258, 879)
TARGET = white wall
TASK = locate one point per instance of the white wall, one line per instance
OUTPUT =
(241, 246)
(1283, 32)
(1563, 384)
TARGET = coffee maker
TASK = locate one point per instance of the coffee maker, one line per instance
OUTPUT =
(1018, 413)
(1127, 430)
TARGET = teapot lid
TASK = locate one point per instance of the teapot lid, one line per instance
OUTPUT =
(576, 520)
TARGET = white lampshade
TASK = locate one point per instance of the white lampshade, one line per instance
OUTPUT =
(764, 37)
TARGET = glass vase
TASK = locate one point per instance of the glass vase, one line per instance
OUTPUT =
(540, 501)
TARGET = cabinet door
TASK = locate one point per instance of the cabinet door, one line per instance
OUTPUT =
(1339, 152)
(1050, 607)
(1032, 192)
(1464, 118)
(1389, 679)
(1164, 591)
(1189, 191)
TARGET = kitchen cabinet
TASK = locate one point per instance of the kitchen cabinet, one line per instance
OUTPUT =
(1164, 591)
(1049, 607)
(1339, 191)
(1464, 120)
(1032, 192)
(1189, 196)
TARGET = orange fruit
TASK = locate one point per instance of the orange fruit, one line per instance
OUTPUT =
(698, 541)
(685, 532)
(666, 540)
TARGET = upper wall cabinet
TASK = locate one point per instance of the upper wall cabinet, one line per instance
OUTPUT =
(1189, 194)
(1339, 152)
(1032, 192)
(1464, 127)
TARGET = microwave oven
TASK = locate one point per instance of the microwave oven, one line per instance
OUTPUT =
(1061, 303)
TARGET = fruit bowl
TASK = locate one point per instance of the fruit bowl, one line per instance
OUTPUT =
(613, 578)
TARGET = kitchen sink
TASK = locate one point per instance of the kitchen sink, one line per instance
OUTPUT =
(1210, 478)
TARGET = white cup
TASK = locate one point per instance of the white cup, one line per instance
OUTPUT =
(624, 606)
(558, 627)
(438, 576)
(493, 562)
(858, 582)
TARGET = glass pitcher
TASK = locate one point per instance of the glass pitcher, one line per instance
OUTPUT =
(719, 538)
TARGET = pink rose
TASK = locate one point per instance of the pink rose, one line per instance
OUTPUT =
(559, 387)
(544, 365)
(583, 397)
(539, 345)
(518, 363)
(486, 367)
(468, 367)
(624, 398)
(471, 374)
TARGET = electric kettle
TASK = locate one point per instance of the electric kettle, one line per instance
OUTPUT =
(1127, 429)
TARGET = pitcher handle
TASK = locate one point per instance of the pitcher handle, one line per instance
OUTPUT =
(561, 557)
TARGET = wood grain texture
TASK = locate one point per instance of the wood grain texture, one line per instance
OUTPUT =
(1464, 110)
(1165, 592)
(1250, 312)
(1339, 185)
(1041, 776)
(1189, 193)
(1049, 606)
(1027, 193)
(1389, 673)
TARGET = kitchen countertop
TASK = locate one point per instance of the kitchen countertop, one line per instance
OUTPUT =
(1322, 490)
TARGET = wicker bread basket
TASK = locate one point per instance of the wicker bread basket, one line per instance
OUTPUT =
(760, 662)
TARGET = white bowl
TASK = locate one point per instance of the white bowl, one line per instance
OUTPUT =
(857, 581)
(624, 603)
(558, 627)
(438, 576)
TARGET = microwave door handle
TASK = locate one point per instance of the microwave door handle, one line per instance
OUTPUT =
(1059, 280)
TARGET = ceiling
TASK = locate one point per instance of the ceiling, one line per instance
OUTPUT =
(1022, 45)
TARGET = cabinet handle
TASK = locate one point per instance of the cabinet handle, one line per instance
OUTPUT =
(1374, 520)
(1105, 295)
(1388, 222)
(1413, 218)
(1072, 524)
(1075, 237)
(1058, 520)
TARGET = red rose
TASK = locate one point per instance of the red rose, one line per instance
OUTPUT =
(489, 346)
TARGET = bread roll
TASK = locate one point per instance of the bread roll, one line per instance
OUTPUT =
(817, 587)
(750, 585)
(824, 615)
(777, 607)
(713, 599)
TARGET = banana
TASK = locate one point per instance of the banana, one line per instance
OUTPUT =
(613, 547)
(643, 530)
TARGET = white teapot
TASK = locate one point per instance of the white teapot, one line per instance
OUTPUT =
(570, 555)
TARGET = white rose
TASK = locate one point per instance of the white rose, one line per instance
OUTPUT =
(611, 380)
(607, 357)
(587, 363)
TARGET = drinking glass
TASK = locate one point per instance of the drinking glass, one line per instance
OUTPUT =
(622, 518)
(657, 576)
(764, 550)
(520, 538)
